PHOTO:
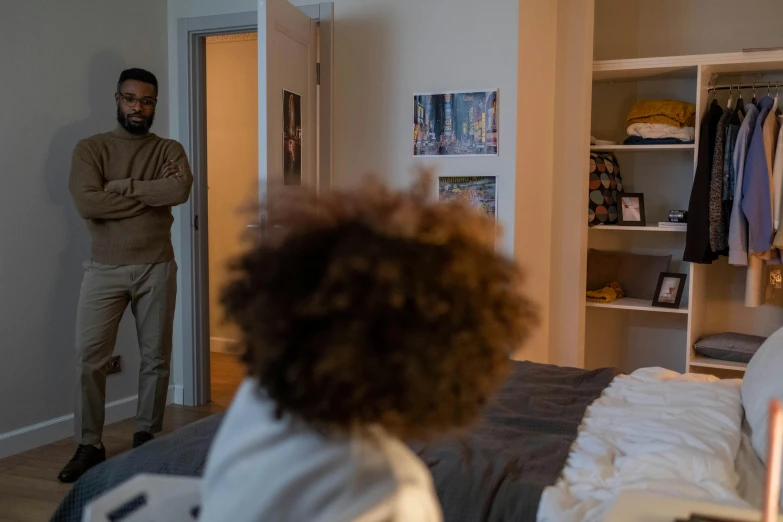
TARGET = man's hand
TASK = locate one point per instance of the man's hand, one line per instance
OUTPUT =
(168, 170)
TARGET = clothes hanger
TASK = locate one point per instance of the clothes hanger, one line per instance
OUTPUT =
(776, 104)
(754, 100)
(711, 87)
(739, 110)
(731, 98)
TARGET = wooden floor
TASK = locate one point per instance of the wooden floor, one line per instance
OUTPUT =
(29, 490)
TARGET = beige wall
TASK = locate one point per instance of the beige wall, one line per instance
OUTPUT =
(535, 156)
(232, 163)
(637, 29)
(60, 65)
(385, 50)
(555, 69)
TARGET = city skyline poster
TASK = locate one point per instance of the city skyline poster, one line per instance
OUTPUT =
(480, 192)
(456, 123)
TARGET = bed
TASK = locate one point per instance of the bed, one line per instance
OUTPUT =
(556, 444)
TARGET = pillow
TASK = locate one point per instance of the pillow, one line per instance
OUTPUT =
(636, 273)
(604, 186)
(762, 383)
(730, 346)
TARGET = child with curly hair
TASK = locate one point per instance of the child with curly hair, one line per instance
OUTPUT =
(370, 317)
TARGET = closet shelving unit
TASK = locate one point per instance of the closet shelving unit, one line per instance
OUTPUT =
(631, 333)
(641, 148)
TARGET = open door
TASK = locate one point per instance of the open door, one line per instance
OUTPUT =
(287, 94)
(295, 98)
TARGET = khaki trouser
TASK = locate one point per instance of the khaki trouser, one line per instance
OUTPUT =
(106, 291)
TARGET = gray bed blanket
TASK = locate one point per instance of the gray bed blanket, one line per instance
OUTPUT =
(498, 470)
(494, 472)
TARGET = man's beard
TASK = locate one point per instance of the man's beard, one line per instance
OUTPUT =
(132, 127)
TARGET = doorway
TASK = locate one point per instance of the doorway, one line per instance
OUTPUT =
(231, 68)
(294, 55)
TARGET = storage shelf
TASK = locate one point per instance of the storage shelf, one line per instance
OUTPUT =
(640, 305)
(648, 228)
(644, 68)
(676, 66)
(707, 362)
(641, 148)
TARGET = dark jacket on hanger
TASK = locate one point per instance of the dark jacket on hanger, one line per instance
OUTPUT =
(697, 239)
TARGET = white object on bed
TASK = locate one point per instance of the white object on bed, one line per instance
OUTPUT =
(637, 506)
(166, 499)
(655, 431)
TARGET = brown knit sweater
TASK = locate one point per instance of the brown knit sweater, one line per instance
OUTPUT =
(128, 211)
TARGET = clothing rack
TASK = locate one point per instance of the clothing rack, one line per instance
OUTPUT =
(739, 86)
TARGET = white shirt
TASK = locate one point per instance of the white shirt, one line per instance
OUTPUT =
(777, 181)
(261, 469)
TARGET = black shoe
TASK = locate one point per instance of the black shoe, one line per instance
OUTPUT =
(141, 437)
(86, 457)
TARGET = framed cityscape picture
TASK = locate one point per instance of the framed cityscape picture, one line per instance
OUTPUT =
(479, 191)
(458, 123)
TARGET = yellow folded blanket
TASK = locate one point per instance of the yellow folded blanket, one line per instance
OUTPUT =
(611, 292)
(670, 112)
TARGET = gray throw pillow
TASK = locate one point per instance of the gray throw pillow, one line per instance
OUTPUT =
(636, 273)
(730, 346)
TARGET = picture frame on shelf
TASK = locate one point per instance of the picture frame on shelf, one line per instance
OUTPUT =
(631, 211)
(670, 289)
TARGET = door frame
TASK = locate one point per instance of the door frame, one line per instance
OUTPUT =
(194, 225)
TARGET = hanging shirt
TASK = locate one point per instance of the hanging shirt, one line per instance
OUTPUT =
(697, 237)
(729, 174)
(777, 182)
(756, 201)
(738, 225)
(717, 235)
(777, 190)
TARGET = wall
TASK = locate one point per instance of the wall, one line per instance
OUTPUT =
(554, 69)
(232, 163)
(60, 65)
(679, 27)
(387, 50)
(533, 244)
(384, 52)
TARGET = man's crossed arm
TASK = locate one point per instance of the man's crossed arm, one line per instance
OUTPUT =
(121, 199)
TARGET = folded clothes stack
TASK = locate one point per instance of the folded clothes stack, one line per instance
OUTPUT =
(609, 293)
(661, 122)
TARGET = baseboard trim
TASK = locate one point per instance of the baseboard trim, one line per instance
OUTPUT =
(179, 394)
(53, 430)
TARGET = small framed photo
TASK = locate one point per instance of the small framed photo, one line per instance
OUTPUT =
(632, 210)
(668, 293)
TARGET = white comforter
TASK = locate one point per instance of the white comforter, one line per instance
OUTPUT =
(653, 430)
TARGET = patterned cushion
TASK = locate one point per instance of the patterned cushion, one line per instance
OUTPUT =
(605, 185)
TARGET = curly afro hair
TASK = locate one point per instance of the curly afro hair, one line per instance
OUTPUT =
(378, 307)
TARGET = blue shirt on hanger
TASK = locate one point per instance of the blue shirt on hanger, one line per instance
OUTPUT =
(755, 187)
(738, 225)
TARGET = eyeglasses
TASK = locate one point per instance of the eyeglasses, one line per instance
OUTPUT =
(131, 101)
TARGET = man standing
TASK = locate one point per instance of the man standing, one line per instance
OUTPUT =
(124, 184)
